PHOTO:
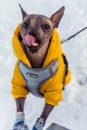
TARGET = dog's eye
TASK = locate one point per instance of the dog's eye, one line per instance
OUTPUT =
(46, 26)
(25, 25)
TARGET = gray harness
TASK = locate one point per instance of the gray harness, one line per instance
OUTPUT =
(35, 77)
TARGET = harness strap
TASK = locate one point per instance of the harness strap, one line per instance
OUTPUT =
(35, 77)
(66, 67)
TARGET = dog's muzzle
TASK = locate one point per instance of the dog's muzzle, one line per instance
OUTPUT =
(31, 42)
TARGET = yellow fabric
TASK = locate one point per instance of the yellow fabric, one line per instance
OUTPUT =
(52, 88)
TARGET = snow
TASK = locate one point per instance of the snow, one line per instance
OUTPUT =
(72, 111)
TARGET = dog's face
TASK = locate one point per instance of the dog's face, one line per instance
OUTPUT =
(36, 30)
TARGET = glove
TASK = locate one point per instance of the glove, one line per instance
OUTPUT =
(39, 124)
(19, 123)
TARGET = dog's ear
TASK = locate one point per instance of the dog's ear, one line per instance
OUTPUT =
(24, 14)
(56, 17)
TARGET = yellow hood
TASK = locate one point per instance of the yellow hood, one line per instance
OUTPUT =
(52, 88)
(54, 48)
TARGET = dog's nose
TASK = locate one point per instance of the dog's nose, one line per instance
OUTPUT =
(32, 33)
(31, 29)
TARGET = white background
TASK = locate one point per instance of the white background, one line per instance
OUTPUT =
(72, 111)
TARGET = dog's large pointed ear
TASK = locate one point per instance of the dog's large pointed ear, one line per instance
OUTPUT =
(56, 17)
(24, 14)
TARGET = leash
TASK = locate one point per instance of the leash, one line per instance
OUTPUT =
(69, 38)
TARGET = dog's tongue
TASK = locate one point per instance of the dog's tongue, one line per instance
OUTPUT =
(29, 40)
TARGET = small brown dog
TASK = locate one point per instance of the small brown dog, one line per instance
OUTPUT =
(40, 68)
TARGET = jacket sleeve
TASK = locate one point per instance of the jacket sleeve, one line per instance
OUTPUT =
(18, 84)
(52, 89)
(53, 97)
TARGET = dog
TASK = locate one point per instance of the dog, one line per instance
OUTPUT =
(41, 66)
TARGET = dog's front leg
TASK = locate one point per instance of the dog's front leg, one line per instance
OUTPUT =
(20, 104)
(20, 116)
(40, 122)
(46, 111)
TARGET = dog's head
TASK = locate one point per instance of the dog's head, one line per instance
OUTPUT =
(36, 30)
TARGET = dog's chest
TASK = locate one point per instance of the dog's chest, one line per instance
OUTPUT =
(37, 60)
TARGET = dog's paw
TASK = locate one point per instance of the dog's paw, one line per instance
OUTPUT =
(39, 124)
(20, 127)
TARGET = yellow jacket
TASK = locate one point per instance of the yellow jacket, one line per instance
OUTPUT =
(52, 88)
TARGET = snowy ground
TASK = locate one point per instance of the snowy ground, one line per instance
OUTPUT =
(72, 111)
